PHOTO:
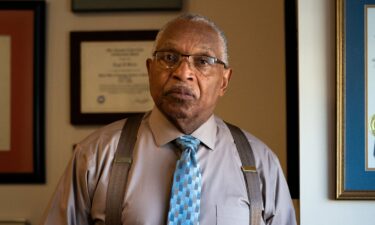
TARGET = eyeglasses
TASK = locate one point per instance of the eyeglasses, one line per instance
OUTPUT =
(172, 60)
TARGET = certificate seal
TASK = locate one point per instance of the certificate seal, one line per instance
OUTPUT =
(372, 125)
(100, 99)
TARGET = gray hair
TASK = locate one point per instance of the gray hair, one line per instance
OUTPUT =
(205, 20)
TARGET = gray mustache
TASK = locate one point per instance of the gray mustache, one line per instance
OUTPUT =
(180, 90)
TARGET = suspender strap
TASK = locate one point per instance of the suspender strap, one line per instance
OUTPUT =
(250, 174)
(120, 170)
(123, 159)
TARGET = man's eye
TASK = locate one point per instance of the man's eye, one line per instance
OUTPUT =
(170, 57)
(203, 61)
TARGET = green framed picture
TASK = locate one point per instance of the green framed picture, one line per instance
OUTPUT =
(124, 5)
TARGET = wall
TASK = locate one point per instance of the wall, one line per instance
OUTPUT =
(255, 100)
(317, 122)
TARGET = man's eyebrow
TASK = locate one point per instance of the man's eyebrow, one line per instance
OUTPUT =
(207, 52)
(167, 49)
(166, 46)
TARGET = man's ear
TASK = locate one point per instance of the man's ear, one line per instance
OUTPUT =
(148, 65)
(227, 74)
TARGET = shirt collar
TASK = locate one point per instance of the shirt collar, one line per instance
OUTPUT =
(164, 131)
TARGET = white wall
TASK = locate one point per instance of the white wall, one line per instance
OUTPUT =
(317, 122)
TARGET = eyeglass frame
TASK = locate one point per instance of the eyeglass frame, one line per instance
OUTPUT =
(181, 55)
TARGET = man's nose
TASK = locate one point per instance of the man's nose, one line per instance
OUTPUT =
(184, 70)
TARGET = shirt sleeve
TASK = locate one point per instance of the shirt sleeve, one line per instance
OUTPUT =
(282, 212)
(70, 204)
(277, 202)
(81, 193)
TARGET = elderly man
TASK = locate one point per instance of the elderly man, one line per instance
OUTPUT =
(200, 184)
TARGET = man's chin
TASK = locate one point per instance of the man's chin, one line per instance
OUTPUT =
(176, 112)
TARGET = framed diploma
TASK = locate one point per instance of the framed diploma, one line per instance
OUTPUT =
(124, 5)
(109, 79)
(355, 99)
(22, 55)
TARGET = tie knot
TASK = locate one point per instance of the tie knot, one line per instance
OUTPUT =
(187, 142)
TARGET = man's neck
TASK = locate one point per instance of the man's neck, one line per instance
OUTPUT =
(187, 125)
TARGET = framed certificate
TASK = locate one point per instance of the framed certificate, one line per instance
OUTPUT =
(124, 5)
(109, 79)
(22, 62)
(355, 99)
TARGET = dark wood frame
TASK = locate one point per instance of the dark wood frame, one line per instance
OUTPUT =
(292, 99)
(37, 175)
(76, 38)
(125, 5)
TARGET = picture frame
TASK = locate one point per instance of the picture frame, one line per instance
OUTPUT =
(16, 221)
(22, 81)
(354, 147)
(125, 5)
(292, 99)
(109, 79)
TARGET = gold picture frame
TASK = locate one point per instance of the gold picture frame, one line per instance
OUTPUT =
(354, 178)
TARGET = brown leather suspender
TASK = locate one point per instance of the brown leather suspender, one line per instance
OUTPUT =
(123, 158)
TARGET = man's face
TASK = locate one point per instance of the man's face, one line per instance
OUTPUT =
(184, 92)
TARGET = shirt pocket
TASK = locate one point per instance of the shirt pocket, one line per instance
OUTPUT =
(232, 215)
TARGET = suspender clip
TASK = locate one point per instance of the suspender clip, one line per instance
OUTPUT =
(123, 160)
(252, 169)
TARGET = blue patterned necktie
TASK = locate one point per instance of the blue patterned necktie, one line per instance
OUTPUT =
(184, 206)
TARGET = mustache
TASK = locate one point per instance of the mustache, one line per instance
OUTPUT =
(180, 89)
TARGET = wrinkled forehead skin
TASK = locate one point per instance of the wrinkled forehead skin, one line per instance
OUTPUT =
(187, 36)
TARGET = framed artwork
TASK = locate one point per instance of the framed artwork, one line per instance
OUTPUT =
(109, 79)
(124, 5)
(22, 62)
(355, 99)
